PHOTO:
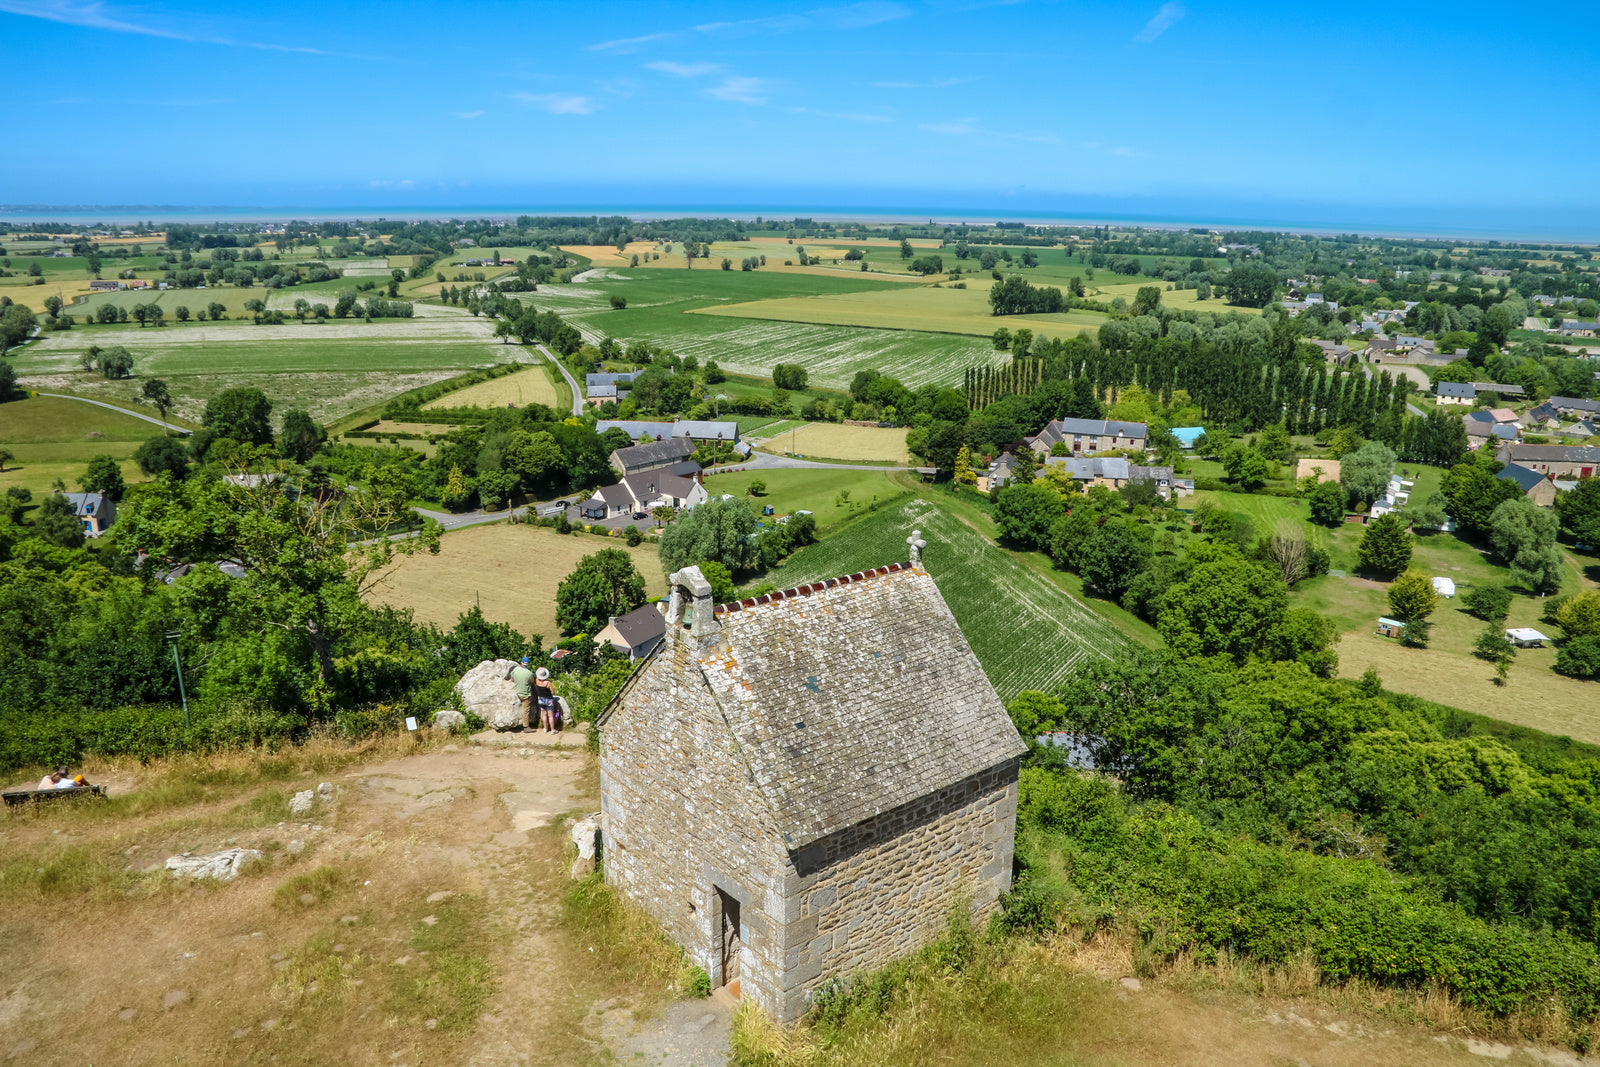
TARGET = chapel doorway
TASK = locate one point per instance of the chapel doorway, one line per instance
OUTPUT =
(730, 942)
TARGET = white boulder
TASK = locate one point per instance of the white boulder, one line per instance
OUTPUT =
(486, 691)
(448, 719)
(586, 835)
(224, 866)
(301, 802)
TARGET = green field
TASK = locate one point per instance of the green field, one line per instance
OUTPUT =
(658, 300)
(1026, 631)
(330, 369)
(833, 496)
(52, 438)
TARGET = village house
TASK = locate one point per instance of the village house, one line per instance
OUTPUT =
(1089, 435)
(1535, 486)
(599, 388)
(800, 786)
(1483, 425)
(1454, 393)
(1578, 329)
(703, 431)
(1114, 473)
(1553, 461)
(95, 511)
(1333, 352)
(637, 494)
(998, 476)
(653, 455)
(107, 286)
(1574, 407)
(635, 634)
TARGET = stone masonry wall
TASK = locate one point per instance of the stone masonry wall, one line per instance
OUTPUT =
(880, 890)
(684, 819)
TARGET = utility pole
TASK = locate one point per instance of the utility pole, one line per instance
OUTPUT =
(172, 636)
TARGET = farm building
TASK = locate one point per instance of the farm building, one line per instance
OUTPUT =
(652, 455)
(799, 786)
(1535, 486)
(1089, 435)
(635, 634)
(1553, 461)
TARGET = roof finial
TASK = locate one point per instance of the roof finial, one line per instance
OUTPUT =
(917, 545)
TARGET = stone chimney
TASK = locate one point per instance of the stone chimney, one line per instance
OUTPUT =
(917, 545)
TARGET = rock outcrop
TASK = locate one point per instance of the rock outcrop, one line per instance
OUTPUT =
(448, 719)
(224, 866)
(301, 802)
(487, 692)
(586, 835)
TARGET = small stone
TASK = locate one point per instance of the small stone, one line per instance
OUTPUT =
(448, 719)
(22, 1048)
(308, 898)
(280, 965)
(174, 998)
(443, 894)
(325, 790)
(311, 986)
(295, 847)
(224, 866)
(276, 956)
(350, 920)
(269, 1024)
(339, 948)
(402, 961)
(256, 934)
(430, 920)
(184, 956)
(302, 802)
(1132, 985)
(243, 1031)
(127, 1015)
(586, 835)
(431, 1024)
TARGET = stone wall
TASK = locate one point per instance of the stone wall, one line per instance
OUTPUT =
(884, 888)
(683, 819)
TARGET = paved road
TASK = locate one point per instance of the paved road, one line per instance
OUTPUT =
(577, 393)
(123, 411)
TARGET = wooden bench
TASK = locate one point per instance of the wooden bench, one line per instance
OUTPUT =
(14, 797)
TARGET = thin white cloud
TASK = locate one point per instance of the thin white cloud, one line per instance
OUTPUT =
(558, 103)
(958, 128)
(683, 70)
(95, 15)
(468, 114)
(846, 116)
(1169, 13)
(970, 127)
(849, 17)
(629, 44)
(943, 83)
(739, 90)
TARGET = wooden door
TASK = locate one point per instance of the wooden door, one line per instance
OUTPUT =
(730, 941)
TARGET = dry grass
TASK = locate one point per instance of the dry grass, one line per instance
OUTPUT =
(1064, 1002)
(511, 571)
(33, 296)
(608, 256)
(1534, 695)
(861, 444)
(1179, 299)
(531, 386)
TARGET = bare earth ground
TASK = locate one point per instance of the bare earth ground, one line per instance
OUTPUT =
(251, 972)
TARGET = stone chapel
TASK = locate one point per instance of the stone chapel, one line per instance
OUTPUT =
(799, 785)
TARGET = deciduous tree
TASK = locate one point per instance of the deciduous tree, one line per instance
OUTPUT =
(602, 585)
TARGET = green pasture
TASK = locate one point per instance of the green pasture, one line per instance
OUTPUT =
(833, 496)
(231, 297)
(1028, 633)
(52, 438)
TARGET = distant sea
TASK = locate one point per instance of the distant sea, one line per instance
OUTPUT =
(1540, 227)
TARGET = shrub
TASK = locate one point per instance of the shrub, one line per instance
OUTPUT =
(1491, 603)
(1579, 657)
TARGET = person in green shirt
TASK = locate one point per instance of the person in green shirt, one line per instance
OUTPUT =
(522, 679)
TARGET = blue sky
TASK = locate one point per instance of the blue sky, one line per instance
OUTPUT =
(1441, 114)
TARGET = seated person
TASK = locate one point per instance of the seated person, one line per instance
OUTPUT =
(80, 782)
(52, 779)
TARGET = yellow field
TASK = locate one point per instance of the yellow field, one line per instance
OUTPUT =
(33, 296)
(1178, 299)
(1534, 695)
(386, 426)
(826, 440)
(923, 307)
(511, 571)
(531, 386)
(608, 256)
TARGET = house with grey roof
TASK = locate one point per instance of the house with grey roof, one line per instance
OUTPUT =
(640, 493)
(799, 786)
(635, 634)
(95, 511)
(1535, 486)
(1454, 392)
(599, 388)
(1089, 435)
(1574, 407)
(701, 430)
(651, 455)
(1554, 461)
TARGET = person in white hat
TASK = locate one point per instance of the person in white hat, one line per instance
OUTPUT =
(546, 696)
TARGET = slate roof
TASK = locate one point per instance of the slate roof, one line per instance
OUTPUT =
(592, 380)
(1554, 453)
(671, 450)
(1572, 403)
(1524, 477)
(1497, 387)
(87, 504)
(648, 485)
(851, 697)
(1463, 390)
(642, 624)
(698, 429)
